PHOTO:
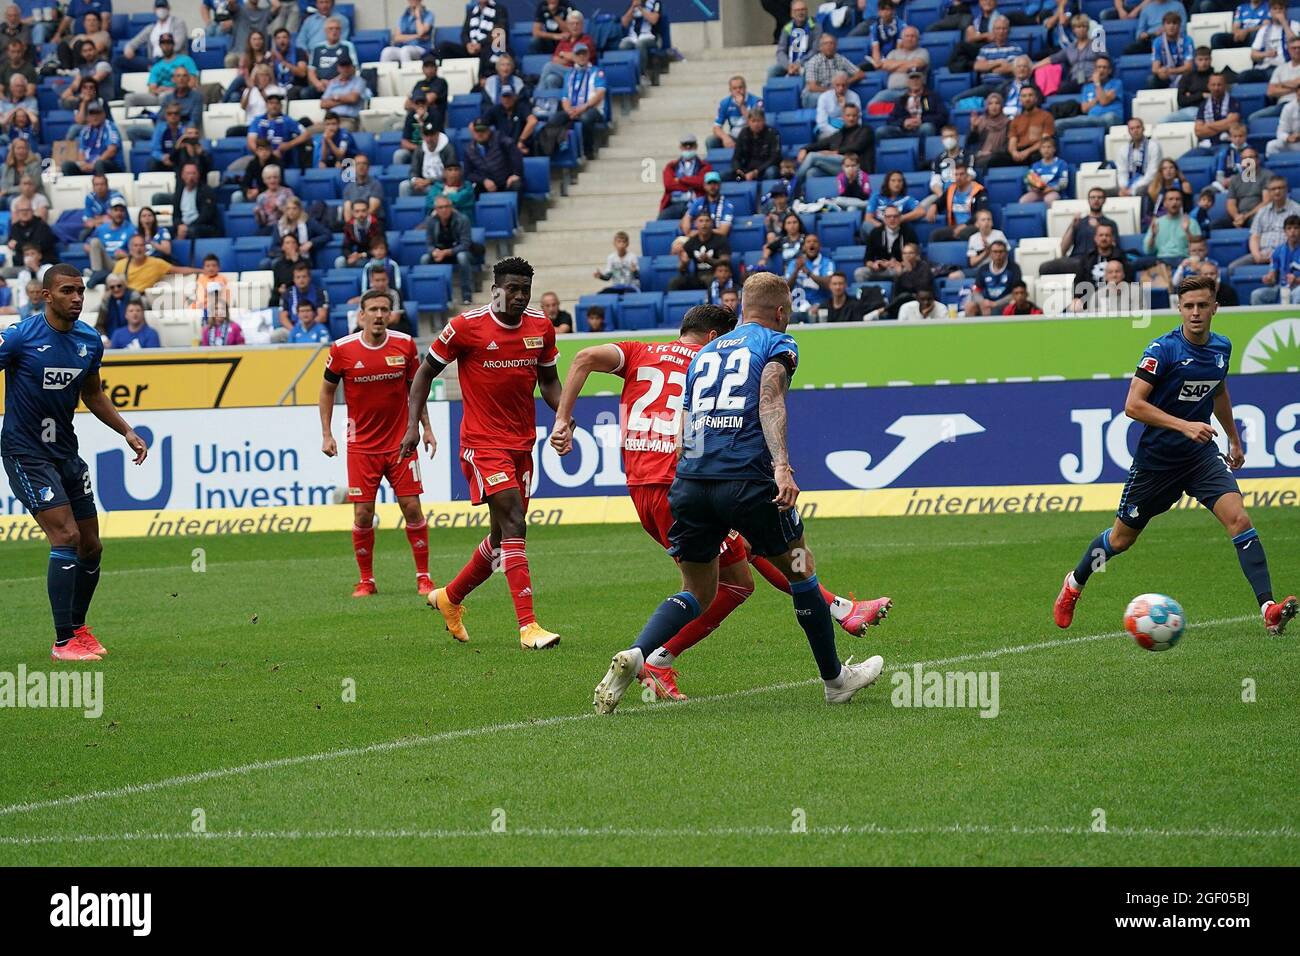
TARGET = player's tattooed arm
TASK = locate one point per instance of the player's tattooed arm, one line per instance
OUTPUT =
(1139, 408)
(772, 416)
(1223, 412)
(328, 387)
(595, 358)
(98, 404)
(417, 399)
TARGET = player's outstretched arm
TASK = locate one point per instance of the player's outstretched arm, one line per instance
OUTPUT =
(328, 389)
(1138, 407)
(772, 416)
(97, 402)
(595, 358)
(416, 400)
(1223, 412)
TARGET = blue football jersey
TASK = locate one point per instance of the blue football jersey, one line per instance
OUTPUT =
(722, 436)
(45, 371)
(1185, 379)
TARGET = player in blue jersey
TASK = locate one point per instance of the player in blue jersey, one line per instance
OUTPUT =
(1180, 381)
(50, 361)
(734, 472)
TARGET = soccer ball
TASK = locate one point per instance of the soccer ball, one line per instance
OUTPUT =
(1156, 621)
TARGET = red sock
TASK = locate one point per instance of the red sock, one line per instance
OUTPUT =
(363, 544)
(729, 597)
(774, 577)
(477, 570)
(418, 536)
(514, 561)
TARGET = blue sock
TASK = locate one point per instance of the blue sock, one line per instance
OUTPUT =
(670, 617)
(60, 580)
(814, 617)
(87, 581)
(1250, 552)
(1098, 552)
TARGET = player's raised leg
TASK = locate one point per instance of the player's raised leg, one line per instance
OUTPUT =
(1231, 512)
(1107, 544)
(852, 615)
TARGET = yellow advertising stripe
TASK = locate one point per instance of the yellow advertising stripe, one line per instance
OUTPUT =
(888, 502)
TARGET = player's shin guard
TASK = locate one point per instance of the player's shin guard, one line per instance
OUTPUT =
(815, 618)
(84, 589)
(669, 618)
(418, 536)
(514, 562)
(363, 546)
(772, 574)
(1094, 559)
(61, 581)
(730, 597)
(1254, 564)
(477, 570)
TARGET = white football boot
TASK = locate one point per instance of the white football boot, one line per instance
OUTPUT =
(623, 671)
(853, 678)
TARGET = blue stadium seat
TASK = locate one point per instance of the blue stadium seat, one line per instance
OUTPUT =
(820, 187)
(530, 64)
(1251, 96)
(1286, 165)
(949, 85)
(795, 127)
(1133, 70)
(240, 220)
(948, 253)
(537, 177)
(391, 179)
(213, 54)
(677, 304)
(463, 110)
(430, 285)
(249, 252)
(640, 310)
(896, 154)
(610, 303)
(747, 233)
(1006, 184)
(663, 269)
(743, 195)
(1024, 221)
(1199, 170)
(339, 321)
(410, 246)
(838, 228)
(848, 258)
(621, 79)
(406, 213)
(342, 284)
(918, 183)
(922, 13)
(782, 94)
(496, 219)
(223, 249)
(940, 43)
(1083, 145)
(1121, 34)
(1227, 244)
(319, 185)
(657, 236)
(1246, 279)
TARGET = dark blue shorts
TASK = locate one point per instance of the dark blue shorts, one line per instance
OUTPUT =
(1150, 492)
(705, 511)
(41, 484)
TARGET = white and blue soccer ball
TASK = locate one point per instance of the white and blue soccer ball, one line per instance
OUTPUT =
(1156, 621)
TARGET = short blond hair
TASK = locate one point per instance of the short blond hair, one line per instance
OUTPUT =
(764, 291)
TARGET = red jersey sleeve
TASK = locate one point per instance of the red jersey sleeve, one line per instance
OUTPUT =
(335, 363)
(412, 359)
(451, 341)
(550, 354)
(630, 352)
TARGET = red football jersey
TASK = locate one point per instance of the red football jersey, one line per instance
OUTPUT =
(654, 376)
(497, 365)
(376, 380)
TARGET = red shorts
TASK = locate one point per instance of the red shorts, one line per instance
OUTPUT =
(651, 503)
(365, 470)
(489, 470)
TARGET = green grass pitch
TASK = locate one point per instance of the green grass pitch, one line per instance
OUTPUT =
(224, 703)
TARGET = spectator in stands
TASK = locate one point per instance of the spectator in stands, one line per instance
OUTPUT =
(108, 242)
(720, 210)
(884, 245)
(93, 28)
(112, 310)
(1102, 102)
(218, 17)
(13, 27)
(312, 236)
(492, 164)
(1224, 293)
(454, 187)
(510, 118)
(430, 90)
(284, 133)
(136, 333)
(271, 199)
(826, 155)
(160, 74)
(219, 329)
(978, 245)
(19, 95)
(1020, 303)
(19, 162)
(16, 63)
(94, 208)
(797, 40)
(731, 300)
(1172, 53)
(303, 290)
(1048, 177)
(250, 183)
(775, 205)
(1245, 189)
(481, 19)
(1284, 82)
(253, 97)
(283, 266)
(1150, 23)
(306, 330)
(906, 58)
(29, 188)
(146, 46)
(757, 149)
(211, 284)
(960, 203)
(1247, 18)
(157, 238)
(26, 229)
(1090, 272)
(723, 281)
(893, 192)
(166, 134)
(584, 96)
(336, 145)
(1193, 87)
(1204, 206)
(377, 276)
(683, 179)
(503, 78)
(412, 37)
(840, 306)
(1268, 226)
(994, 280)
(360, 230)
(99, 145)
(1078, 60)
(1197, 253)
(916, 276)
(996, 57)
(561, 321)
(595, 318)
(20, 124)
(780, 251)
(194, 206)
(990, 135)
(142, 271)
(918, 112)
(251, 17)
(184, 96)
(1139, 160)
(325, 57)
(448, 232)
(346, 95)
(976, 30)
(733, 114)
(622, 270)
(820, 69)
(943, 166)
(923, 306)
(1218, 113)
(1269, 48)
(852, 187)
(429, 162)
(1283, 275)
(698, 254)
(1079, 238)
(809, 276)
(883, 31)
(830, 105)
(548, 26)
(1287, 139)
(640, 23)
(312, 32)
(1169, 235)
(1167, 177)
(1029, 129)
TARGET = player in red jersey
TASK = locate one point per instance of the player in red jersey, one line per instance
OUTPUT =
(502, 352)
(376, 366)
(654, 375)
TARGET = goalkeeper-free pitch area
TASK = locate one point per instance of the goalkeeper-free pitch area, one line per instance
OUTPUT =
(254, 713)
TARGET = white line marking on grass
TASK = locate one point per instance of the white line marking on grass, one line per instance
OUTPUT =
(389, 746)
(650, 833)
